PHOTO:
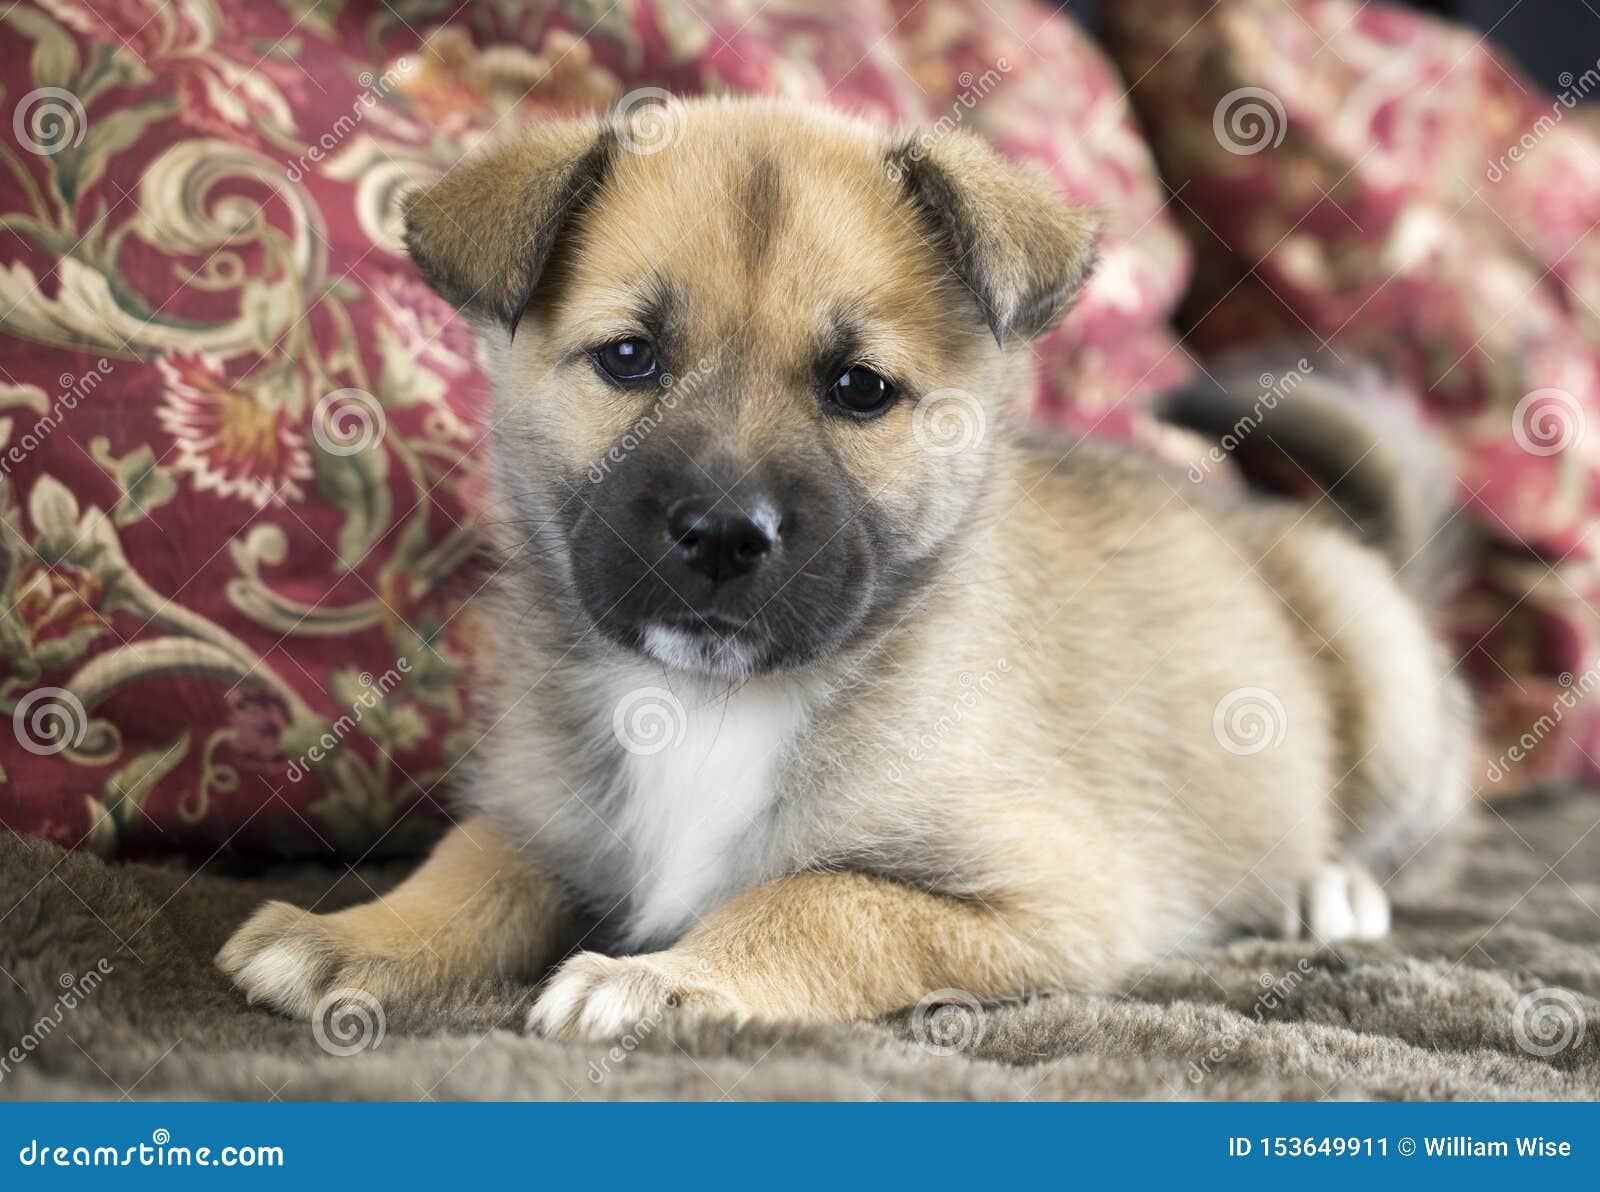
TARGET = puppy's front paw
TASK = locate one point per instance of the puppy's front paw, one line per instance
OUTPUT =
(283, 957)
(290, 959)
(606, 997)
(1343, 902)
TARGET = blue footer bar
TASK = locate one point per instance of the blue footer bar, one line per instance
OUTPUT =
(819, 1147)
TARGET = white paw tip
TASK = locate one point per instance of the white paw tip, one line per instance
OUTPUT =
(1370, 905)
(598, 998)
(280, 975)
(1343, 902)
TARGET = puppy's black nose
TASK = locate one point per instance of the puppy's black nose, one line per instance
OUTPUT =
(720, 546)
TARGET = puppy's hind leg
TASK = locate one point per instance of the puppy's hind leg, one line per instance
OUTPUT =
(475, 909)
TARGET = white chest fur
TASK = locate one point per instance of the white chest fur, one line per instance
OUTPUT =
(700, 763)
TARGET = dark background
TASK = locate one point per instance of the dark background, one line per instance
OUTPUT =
(1546, 36)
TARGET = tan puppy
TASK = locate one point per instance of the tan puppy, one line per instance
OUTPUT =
(811, 687)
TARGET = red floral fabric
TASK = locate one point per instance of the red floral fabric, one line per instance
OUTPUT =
(1363, 176)
(236, 431)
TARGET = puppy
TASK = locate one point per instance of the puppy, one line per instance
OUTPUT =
(810, 683)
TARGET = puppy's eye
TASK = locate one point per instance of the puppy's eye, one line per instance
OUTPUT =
(861, 392)
(627, 361)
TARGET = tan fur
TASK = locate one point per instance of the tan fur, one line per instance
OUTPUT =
(1010, 781)
(474, 910)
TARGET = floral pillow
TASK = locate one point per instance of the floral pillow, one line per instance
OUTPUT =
(1360, 175)
(236, 430)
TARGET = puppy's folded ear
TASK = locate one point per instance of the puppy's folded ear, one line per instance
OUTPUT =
(1010, 235)
(483, 234)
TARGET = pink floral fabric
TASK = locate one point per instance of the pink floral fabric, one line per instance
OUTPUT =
(1363, 176)
(237, 432)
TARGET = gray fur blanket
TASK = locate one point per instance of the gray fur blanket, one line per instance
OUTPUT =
(1488, 989)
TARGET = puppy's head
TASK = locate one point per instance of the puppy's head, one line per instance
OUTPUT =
(752, 362)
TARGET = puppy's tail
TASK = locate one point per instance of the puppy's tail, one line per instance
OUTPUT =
(1311, 429)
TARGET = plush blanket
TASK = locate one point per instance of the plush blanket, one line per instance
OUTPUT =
(1489, 988)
